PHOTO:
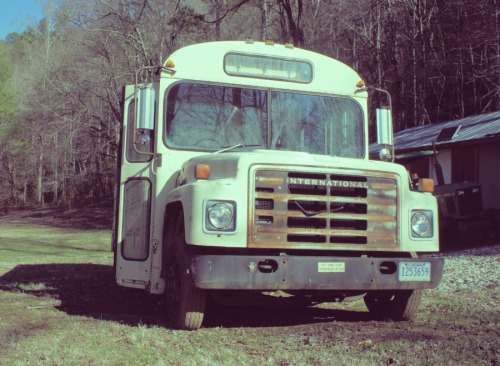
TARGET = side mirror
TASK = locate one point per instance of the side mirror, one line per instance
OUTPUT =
(143, 131)
(146, 112)
(384, 127)
(384, 134)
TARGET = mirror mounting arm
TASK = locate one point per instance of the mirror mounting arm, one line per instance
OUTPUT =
(384, 121)
(146, 74)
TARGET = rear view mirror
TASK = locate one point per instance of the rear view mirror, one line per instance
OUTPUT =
(143, 129)
(384, 134)
(384, 127)
(146, 112)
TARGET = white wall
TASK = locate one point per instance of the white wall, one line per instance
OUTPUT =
(444, 158)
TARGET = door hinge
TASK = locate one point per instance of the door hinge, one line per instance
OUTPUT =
(158, 160)
(154, 244)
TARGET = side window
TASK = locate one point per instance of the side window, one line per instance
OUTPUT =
(136, 210)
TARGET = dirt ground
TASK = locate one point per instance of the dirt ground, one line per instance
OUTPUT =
(451, 328)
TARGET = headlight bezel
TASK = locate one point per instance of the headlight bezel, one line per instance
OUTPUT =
(421, 224)
(210, 225)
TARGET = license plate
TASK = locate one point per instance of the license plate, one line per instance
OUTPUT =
(414, 271)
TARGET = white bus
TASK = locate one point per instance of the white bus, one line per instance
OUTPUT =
(244, 166)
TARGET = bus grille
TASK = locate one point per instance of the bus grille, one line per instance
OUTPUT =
(323, 211)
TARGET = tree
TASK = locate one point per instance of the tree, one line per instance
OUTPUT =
(61, 80)
(13, 153)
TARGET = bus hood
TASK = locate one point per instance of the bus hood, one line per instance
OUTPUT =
(230, 164)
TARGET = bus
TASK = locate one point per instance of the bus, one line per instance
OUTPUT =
(244, 167)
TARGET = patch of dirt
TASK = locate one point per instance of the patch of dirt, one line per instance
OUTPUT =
(90, 290)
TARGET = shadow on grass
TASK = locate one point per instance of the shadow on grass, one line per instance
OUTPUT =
(275, 316)
(95, 216)
(85, 290)
(89, 290)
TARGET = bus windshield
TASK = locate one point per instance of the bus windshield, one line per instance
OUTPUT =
(213, 117)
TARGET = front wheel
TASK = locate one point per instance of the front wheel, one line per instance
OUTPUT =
(393, 305)
(185, 302)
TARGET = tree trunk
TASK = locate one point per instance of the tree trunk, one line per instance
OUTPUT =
(39, 196)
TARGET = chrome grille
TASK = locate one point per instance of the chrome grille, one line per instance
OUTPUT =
(323, 211)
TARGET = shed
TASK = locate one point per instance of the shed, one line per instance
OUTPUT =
(467, 149)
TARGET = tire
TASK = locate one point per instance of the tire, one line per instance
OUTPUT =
(185, 303)
(401, 305)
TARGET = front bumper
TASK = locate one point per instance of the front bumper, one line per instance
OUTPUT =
(234, 272)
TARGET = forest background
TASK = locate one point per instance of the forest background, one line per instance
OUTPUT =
(61, 81)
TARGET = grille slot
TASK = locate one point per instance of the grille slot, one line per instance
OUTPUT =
(264, 189)
(306, 238)
(348, 192)
(345, 224)
(302, 175)
(306, 223)
(264, 204)
(301, 189)
(348, 240)
(264, 220)
(310, 206)
(351, 208)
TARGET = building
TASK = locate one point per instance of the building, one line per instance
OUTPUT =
(463, 158)
(466, 150)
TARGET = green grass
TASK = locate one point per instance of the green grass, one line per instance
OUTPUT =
(59, 306)
(20, 244)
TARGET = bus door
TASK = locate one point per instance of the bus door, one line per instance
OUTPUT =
(136, 188)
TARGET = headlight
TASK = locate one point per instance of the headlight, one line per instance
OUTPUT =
(421, 224)
(220, 216)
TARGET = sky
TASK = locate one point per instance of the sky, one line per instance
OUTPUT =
(17, 15)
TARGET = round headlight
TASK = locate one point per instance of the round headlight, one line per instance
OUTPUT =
(420, 224)
(220, 215)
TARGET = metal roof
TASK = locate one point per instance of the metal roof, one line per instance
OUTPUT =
(483, 126)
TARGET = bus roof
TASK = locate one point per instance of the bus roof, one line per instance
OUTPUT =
(206, 62)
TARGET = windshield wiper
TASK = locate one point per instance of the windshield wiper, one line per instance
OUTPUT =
(234, 147)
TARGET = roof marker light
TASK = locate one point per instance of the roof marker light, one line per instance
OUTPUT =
(170, 63)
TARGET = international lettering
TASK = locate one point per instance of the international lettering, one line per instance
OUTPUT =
(327, 183)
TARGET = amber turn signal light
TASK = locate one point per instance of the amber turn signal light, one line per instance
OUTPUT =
(426, 185)
(202, 171)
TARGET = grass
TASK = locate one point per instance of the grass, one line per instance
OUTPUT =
(59, 306)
